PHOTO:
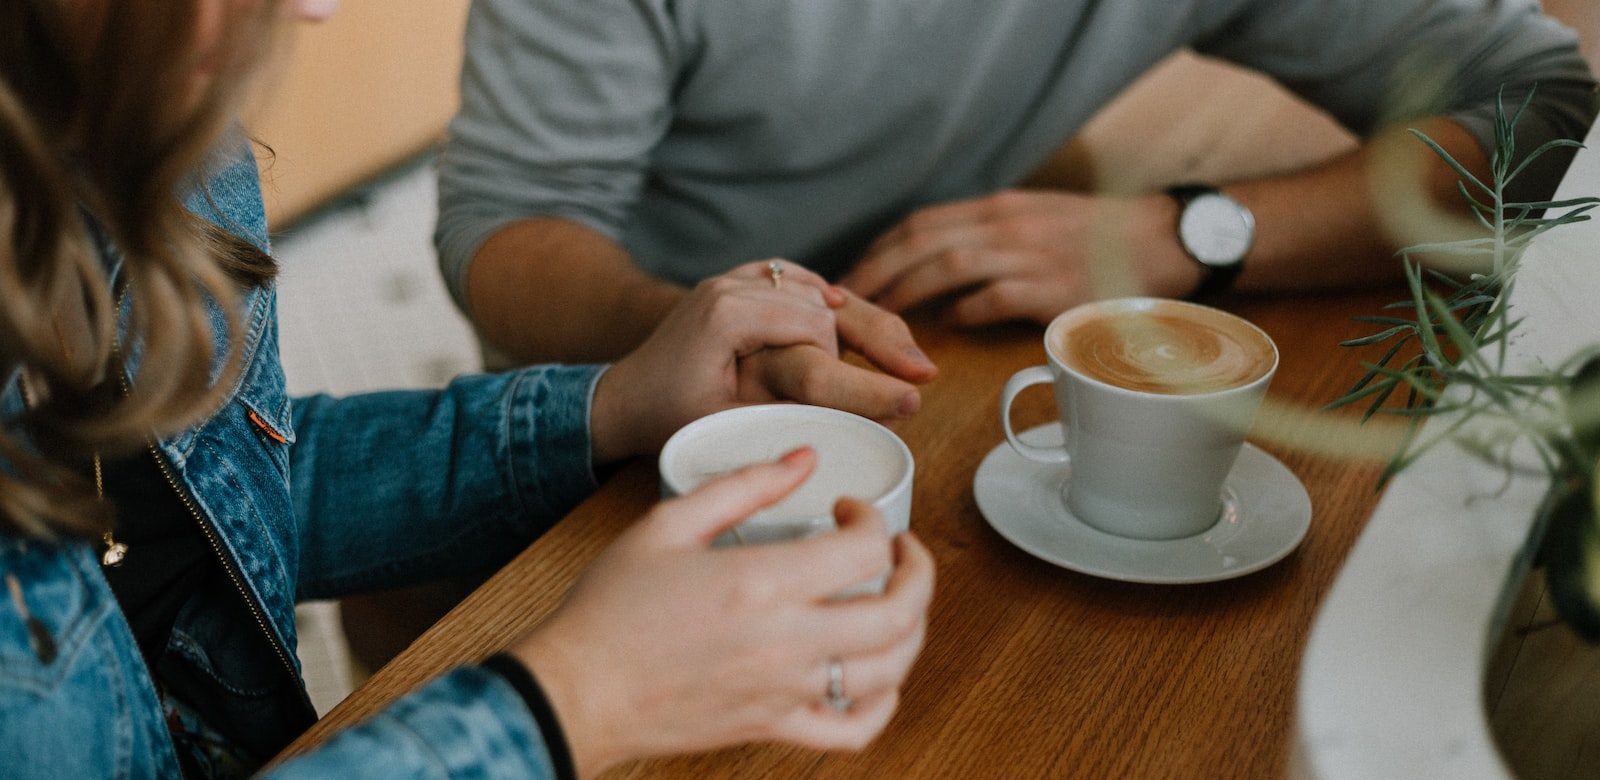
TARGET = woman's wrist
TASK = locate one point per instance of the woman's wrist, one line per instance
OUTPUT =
(609, 441)
(574, 706)
(517, 675)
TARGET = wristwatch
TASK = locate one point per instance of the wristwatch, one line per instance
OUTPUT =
(1216, 231)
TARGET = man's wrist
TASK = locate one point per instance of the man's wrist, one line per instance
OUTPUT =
(645, 302)
(1163, 267)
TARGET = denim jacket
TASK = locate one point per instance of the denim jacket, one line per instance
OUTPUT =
(315, 499)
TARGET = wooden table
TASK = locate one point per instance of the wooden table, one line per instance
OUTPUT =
(1029, 670)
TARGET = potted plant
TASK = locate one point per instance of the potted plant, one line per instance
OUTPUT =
(1445, 355)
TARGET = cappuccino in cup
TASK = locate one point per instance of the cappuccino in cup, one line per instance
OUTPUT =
(1169, 347)
(1155, 397)
(856, 458)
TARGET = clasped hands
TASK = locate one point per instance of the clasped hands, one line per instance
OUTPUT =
(740, 338)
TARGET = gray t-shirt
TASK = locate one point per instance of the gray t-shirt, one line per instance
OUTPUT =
(705, 133)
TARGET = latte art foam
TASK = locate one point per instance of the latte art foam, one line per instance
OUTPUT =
(1171, 348)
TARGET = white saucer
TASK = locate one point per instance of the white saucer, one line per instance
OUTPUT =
(1266, 513)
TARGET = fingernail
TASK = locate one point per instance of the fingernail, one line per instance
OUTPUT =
(910, 403)
(794, 456)
(918, 355)
(835, 296)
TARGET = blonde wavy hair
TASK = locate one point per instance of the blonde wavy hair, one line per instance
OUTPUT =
(107, 108)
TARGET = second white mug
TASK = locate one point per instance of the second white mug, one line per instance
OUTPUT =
(1148, 461)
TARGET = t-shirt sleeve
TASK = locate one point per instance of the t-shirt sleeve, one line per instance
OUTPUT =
(562, 102)
(1372, 63)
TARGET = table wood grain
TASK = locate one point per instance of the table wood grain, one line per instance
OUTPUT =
(1029, 670)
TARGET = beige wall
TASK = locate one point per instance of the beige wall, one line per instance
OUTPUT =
(353, 96)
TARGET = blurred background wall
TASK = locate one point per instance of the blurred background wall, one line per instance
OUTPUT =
(354, 96)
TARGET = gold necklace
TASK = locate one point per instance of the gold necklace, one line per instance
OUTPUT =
(115, 550)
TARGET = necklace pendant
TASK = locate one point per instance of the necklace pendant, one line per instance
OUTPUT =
(115, 552)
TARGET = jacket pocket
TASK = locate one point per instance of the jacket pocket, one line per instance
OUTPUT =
(87, 709)
(56, 597)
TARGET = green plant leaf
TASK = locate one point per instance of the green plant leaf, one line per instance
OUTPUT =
(1457, 304)
(1361, 390)
(1438, 277)
(1577, 214)
(1423, 411)
(1545, 228)
(1468, 246)
(1479, 208)
(1430, 342)
(1366, 390)
(1551, 204)
(1532, 380)
(1559, 143)
(1383, 335)
(1378, 319)
(1466, 345)
(1419, 383)
(1378, 401)
(1460, 170)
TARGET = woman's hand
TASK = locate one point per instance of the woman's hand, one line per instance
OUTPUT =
(668, 646)
(738, 339)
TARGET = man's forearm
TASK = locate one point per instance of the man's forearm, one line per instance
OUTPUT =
(1339, 224)
(547, 289)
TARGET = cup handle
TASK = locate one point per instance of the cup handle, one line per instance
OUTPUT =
(1022, 380)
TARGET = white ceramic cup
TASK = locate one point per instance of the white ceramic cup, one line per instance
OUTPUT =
(856, 457)
(1145, 465)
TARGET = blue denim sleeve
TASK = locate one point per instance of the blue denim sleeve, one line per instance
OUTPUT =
(468, 723)
(399, 487)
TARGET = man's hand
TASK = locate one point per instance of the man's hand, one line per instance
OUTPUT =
(1024, 255)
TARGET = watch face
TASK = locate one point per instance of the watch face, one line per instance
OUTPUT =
(1216, 229)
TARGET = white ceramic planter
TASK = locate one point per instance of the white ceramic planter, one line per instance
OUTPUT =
(1392, 682)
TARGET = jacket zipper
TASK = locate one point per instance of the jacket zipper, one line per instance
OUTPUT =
(256, 611)
(228, 565)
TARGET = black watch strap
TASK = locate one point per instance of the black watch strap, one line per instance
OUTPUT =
(1214, 280)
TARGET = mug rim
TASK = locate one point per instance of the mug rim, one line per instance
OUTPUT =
(1133, 301)
(901, 485)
